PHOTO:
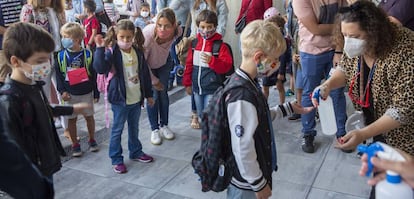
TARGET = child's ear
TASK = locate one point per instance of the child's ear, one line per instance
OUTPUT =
(258, 55)
(14, 61)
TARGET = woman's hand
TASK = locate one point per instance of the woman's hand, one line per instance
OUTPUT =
(321, 91)
(150, 101)
(351, 140)
(158, 86)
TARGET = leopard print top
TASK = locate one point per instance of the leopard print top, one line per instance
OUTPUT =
(392, 88)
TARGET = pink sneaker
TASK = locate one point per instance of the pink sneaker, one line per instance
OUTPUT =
(120, 168)
(144, 158)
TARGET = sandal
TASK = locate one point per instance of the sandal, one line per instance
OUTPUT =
(194, 122)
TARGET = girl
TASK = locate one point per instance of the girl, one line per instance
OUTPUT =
(128, 87)
(158, 40)
(218, 6)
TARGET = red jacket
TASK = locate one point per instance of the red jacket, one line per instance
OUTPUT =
(256, 9)
(219, 65)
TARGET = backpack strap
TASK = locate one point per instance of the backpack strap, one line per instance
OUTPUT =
(87, 58)
(194, 44)
(216, 47)
(62, 61)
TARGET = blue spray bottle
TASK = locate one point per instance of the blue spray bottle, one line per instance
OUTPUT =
(392, 186)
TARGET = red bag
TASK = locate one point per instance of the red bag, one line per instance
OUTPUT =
(78, 76)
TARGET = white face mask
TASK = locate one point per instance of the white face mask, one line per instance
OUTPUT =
(354, 47)
(264, 67)
(39, 71)
(144, 14)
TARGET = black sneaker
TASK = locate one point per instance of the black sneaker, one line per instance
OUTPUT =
(307, 144)
(294, 117)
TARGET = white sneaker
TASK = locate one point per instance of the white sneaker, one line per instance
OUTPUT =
(155, 137)
(167, 133)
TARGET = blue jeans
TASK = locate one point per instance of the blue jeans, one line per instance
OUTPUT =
(314, 69)
(236, 193)
(201, 102)
(161, 99)
(130, 113)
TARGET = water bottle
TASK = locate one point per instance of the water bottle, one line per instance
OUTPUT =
(327, 116)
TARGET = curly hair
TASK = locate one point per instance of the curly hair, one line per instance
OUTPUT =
(380, 31)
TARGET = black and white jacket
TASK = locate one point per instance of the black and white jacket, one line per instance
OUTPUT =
(248, 113)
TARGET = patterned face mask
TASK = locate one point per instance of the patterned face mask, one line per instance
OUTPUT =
(39, 71)
(206, 34)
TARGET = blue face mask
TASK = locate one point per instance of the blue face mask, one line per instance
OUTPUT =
(67, 43)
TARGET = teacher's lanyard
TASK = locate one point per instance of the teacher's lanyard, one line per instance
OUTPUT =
(363, 91)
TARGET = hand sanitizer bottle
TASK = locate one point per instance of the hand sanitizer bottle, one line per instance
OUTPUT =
(393, 186)
(327, 116)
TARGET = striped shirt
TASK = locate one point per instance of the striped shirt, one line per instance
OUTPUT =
(9, 14)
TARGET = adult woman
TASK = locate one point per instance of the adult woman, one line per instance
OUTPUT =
(218, 6)
(158, 40)
(378, 69)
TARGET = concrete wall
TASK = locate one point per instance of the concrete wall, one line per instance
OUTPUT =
(231, 37)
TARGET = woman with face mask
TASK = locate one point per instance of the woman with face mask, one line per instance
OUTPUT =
(158, 40)
(378, 67)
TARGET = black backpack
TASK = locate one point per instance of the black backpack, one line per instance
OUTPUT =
(214, 162)
(216, 50)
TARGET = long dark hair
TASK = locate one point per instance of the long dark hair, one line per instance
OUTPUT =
(125, 24)
(381, 32)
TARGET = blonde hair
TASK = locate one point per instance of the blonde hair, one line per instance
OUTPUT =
(168, 14)
(261, 35)
(74, 30)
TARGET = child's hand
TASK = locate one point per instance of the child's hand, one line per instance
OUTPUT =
(188, 90)
(299, 109)
(79, 107)
(65, 96)
(205, 58)
(96, 100)
(150, 101)
(99, 41)
(295, 58)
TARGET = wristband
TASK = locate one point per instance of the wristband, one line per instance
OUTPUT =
(338, 52)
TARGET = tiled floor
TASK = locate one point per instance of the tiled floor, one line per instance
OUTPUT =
(328, 173)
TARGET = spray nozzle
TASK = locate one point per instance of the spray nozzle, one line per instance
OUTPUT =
(371, 151)
(383, 151)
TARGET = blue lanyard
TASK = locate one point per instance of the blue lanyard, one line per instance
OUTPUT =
(70, 60)
(370, 75)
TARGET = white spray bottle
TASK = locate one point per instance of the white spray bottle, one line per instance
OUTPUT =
(393, 186)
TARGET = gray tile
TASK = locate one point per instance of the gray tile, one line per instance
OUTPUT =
(186, 184)
(324, 194)
(181, 148)
(297, 169)
(339, 173)
(283, 189)
(151, 175)
(165, 195)
(70, 183)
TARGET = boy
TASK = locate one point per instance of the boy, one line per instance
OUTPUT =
(70, 60)
(202, 72)
(252, 137)
(91, 24)
(27, 114)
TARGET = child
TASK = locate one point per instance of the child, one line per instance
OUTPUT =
(111, 10)
(252, 137)
(70, 60)
(128, 87)
(28, 115)
(144, 17)
(278, 78)
(91, 24)
(201, 76)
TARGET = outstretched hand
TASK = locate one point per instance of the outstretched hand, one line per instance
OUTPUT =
(297, 108)
(78, 108)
